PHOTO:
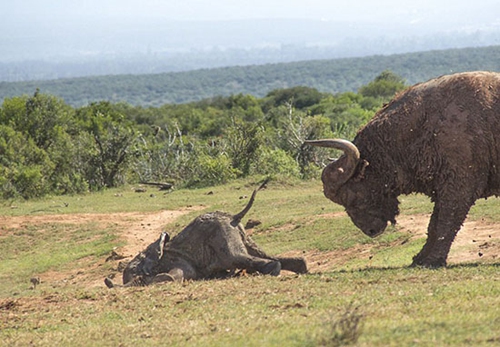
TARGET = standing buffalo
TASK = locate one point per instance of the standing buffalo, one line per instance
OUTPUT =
(440, 138)
(213, 245)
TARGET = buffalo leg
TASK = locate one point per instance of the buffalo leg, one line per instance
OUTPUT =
(445, 223)
(297, 265)
(174, 275)
(139, 281)
(431, 238)
(254, 264)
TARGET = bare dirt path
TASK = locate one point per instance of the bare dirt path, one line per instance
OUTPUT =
(477, 240)
(138, 229)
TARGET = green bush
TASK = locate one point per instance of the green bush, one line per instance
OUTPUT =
(212, 171)
(276, 162)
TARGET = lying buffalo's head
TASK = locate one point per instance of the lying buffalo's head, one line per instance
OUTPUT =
(145, 264)
(366, 202)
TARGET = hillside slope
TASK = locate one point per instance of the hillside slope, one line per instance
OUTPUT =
(331, 76)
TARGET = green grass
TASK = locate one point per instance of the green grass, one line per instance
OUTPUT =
(395, 305)
(36, 249)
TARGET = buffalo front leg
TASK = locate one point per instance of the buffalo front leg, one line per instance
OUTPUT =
(174, 275)
(446, 221)
(431, 238)
(138, 281)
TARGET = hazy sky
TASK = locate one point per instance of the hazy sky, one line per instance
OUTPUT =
(242, 9)
(45, 28)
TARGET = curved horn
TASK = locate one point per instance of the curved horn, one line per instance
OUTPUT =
(350, 150)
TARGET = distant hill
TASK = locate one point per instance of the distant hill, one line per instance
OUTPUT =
(333, 76)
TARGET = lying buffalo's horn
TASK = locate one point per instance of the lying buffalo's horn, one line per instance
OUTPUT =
(350, 150)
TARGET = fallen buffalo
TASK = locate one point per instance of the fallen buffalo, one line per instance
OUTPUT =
(213, 245)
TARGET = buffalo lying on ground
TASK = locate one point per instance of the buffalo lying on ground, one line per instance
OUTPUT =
(440, 138)
(213, 245)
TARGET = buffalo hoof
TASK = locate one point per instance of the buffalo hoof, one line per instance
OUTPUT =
(430, 263)
(273, 268)
(108, 283)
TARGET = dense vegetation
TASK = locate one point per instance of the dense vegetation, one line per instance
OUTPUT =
(49, 147)
(328, 76)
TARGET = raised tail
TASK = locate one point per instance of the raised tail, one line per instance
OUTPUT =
(239, 216)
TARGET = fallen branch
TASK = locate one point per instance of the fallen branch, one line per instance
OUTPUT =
(160, 185)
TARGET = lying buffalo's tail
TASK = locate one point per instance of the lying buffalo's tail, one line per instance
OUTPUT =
(239, 216)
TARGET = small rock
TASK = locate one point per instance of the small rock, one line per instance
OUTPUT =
(252, 223)
(114, 256)
(35, 281)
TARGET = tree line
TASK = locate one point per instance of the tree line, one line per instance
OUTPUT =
(328, 76)
(49, 147)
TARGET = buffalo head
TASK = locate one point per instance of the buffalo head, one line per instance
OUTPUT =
(345, 182)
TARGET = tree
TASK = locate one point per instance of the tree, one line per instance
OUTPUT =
(243, 140)
(297, 128)
(24, 168)
(112, 137)
(384, 86)
(47, 122)
(42, 117)
(300, 97)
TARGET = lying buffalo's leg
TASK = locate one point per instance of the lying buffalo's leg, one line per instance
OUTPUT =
(138, 281)
(254, 264)
(174, 275)
(297, 265)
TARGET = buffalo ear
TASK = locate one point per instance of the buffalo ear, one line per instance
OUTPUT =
(363, 164)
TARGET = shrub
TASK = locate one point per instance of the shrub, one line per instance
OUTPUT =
(212, 171)
(276, 162)
(343, 330)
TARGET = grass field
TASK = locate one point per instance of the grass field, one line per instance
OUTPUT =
(359, 291)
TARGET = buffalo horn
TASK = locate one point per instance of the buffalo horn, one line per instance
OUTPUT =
(350, 150)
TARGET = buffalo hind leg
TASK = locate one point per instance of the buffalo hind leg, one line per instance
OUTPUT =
(297, 265)
(254, 264)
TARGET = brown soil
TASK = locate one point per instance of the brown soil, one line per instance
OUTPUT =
(477, 241)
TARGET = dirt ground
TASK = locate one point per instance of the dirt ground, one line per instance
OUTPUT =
(475, 241)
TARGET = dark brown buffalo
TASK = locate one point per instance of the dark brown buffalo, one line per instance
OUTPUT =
(213, 245)
(440, 138)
